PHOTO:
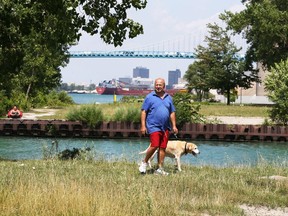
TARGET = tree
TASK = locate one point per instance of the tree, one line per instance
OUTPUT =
(92, 87)
(276, 84)
(186, 110)
(219, 66)
(197, 79)
(64, 87)
(264, 24)
(35, 37)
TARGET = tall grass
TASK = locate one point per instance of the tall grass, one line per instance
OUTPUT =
(111, 111)
(116, 188)
(90, 114)
(128, 114)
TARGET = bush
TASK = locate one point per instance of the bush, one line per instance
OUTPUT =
(186, 110)
(92, 115)
(132, 99)
(119, 114)
(4, 105)
(276, 84)
(130, 114)
(53, 99)
(16, 99)
(133, 114)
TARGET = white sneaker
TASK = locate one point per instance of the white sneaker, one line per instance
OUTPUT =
(142, 167)
(160, 171)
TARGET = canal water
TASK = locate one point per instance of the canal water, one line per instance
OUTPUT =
(212, 153)
(94, 98)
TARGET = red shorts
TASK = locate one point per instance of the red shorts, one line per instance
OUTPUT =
(159, 139)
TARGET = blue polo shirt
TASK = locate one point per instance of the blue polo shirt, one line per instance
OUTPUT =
(158, 112)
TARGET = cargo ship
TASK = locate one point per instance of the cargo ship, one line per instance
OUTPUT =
(116, 87)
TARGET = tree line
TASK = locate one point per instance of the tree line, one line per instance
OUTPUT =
(35, 37)
(264, 25)
(71, 87)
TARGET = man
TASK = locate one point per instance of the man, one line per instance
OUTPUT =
(14, 113)
(157, 113)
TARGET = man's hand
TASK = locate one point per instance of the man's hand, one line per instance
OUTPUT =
(175, 130)
(143, 130)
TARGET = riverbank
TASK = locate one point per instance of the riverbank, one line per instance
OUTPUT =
(37, 114)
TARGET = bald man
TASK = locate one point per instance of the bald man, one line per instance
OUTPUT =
(157, 119)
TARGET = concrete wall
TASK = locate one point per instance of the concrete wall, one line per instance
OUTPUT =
(116, 130)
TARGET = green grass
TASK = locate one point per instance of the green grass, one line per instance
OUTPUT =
(207, 110)
(56, 187)
(234, 110)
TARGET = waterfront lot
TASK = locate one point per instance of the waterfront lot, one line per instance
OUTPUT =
(247, 114)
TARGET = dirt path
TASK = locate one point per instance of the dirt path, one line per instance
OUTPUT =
(239, 120)
(37, 113)
(263, 211)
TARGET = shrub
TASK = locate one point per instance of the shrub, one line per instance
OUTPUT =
(133, 114)
(128, 114)
(53, 99)
(91, 114)
(17, 99)
(132, 99)
(276, 84)
(4, 105)
(186, 110)
(119, 114)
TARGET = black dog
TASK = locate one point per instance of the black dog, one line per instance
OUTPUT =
(68, 154)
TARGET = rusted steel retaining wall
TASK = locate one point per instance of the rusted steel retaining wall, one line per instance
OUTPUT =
(191, 131)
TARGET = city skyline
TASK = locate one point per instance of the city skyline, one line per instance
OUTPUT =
(128, 77)
(178, 26)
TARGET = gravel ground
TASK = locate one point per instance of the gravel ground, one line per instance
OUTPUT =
(238, 120)
(36, 113)
(263, 211)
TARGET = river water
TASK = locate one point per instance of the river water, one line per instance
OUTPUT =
(212, 153)
(94, 98)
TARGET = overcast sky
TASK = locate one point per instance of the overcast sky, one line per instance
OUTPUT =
(168, 25)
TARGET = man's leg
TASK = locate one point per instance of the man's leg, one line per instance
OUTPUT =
(154, 144)
(149, 153)
(163, 145)
(161, 157)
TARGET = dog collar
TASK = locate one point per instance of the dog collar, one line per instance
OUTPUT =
(185, 151)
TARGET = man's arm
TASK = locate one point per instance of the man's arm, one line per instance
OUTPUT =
(173, 122)
(143, 122)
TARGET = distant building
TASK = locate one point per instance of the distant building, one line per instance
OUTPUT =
(173, 77)
(182, 84)
(142, 81)
(260, 87)
(125, 79)
(254, 95)
(257, 89)
(141, 72)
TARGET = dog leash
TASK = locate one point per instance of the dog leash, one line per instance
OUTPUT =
(185, 152)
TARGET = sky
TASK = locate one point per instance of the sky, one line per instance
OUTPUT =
(168, 26)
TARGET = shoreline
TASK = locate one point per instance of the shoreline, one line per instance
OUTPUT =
(36, 114)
